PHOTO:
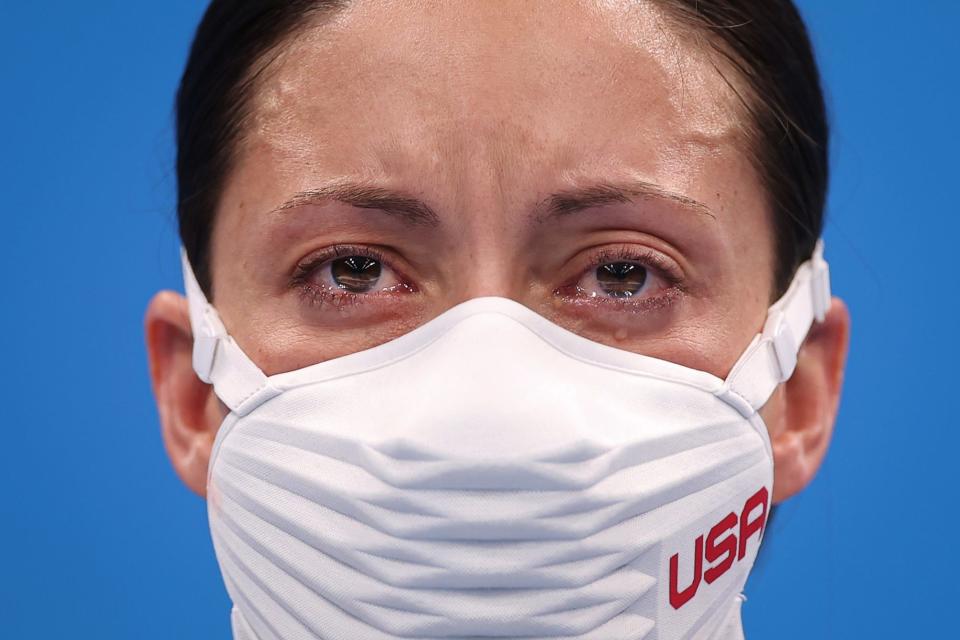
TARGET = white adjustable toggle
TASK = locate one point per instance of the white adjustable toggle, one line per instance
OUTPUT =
(217, 359)
(785, 347)
(208, 330)
(820, 282)
(772, 356)
(206, 336)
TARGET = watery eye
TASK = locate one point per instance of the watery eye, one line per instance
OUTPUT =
(615, 280)
(349, 274)
(357, 274)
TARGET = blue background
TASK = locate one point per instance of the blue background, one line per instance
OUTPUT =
(99, 539)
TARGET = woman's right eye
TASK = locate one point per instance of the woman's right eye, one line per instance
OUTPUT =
(357, 274)
(346, 275)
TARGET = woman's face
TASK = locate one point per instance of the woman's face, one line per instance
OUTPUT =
(469, 149)
(583, 159)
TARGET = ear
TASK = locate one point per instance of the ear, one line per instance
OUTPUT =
(190, 413)
(801, 414)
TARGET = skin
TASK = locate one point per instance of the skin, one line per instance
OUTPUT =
(483, 111)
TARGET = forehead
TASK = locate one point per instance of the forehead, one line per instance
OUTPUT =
(479, 90)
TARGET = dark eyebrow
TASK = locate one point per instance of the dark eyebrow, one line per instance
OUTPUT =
(559, 204)
(572, 201)
(411, 210)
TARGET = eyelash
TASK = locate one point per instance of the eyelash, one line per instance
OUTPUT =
(320, 296)
(656, 264)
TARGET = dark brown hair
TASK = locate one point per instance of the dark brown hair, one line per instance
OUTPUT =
(765, 43)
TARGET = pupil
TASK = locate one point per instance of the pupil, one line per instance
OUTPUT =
(355, 273)
(621, 279)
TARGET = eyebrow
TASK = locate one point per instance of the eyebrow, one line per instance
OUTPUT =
(571, 201)
(557, 205)
(408, 209)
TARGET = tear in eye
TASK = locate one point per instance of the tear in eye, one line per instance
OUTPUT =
(620, 279)
(357, 274)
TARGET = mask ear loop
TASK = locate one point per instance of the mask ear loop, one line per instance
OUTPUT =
(217, 358)
(772, 355)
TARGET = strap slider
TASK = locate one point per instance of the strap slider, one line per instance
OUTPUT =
(205, 342)
(785, 347)
(820, 283)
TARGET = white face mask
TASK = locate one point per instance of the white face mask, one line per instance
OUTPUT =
(491, 474)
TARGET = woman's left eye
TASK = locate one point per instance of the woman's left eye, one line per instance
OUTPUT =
(615, 280)
(625, 278)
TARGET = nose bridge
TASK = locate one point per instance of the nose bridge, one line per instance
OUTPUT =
(479, 156)
(487, 257)
(484, 257)
(489, 269)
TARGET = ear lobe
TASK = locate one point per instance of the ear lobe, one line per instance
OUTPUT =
(804, 409)
(190, 413)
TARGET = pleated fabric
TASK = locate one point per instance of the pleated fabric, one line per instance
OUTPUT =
(486, 485)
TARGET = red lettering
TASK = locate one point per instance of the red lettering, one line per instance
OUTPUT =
(723, 547)
(726, 548)
(680, 598)
(750, 527)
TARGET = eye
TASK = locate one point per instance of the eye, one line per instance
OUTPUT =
(626, 278)
(346, 275)
(615, 280)
(357, 274)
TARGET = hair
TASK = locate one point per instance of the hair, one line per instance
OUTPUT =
(765, 43)
(234, 43)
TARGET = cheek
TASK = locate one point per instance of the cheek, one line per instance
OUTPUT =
(774, 413)
(278, 346)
